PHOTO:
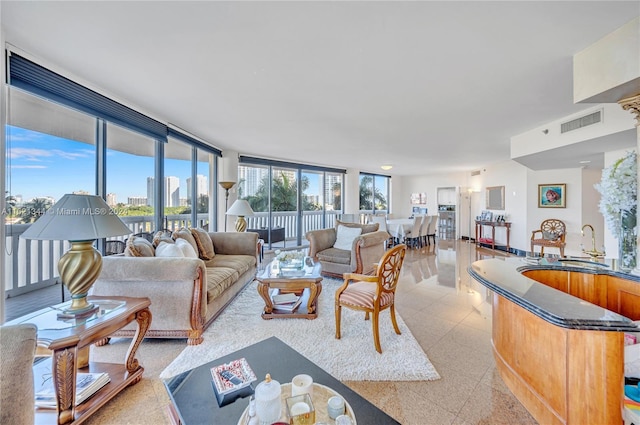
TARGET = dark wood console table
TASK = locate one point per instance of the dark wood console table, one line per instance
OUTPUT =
(480, 239)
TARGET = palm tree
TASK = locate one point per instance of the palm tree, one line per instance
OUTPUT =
(10, 203)
(284, 194)
(34, 209)
(368, 197)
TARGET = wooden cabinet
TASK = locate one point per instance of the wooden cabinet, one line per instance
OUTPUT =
(623, 297)
(613, 293)
(557, 279)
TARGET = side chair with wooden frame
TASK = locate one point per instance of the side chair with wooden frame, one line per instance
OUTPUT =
(372, 293)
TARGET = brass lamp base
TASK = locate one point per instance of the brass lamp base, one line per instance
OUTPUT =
(79, 268)
(241, 224)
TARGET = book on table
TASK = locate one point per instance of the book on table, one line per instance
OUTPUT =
(286, 302)
(232, 380)
(87, 384)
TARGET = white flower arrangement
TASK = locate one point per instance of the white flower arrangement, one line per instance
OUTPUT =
(288, 256)
(619, 191)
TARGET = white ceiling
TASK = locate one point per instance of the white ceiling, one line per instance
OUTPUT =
(428, 87)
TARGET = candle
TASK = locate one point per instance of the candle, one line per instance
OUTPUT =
(299, 408)
(302, 384)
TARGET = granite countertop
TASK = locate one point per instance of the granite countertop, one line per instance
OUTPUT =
(505, 278)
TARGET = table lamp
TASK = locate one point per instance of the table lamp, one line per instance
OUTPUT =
(80, 219)
(241, 209)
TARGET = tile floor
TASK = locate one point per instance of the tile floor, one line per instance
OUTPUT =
(446, 311)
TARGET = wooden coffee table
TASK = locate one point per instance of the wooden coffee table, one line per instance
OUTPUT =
(308, 286)
(67, 341)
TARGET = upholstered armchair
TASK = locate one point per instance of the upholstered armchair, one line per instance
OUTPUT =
(552, 233)
(17, 352)
(358, 256)
(372, 294)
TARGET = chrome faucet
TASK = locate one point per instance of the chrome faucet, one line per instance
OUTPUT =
(594, 253)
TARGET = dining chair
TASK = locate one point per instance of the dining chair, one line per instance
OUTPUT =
(431, 230)
(372, 293)
(382, 225)
(424, 228)
(412, 238)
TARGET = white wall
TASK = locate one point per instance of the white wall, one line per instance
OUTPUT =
(571, 215)
(614, 120)
(429, 184)
(521, 202)
(590, 212)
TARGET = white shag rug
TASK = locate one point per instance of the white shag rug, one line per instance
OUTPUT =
(351, 358)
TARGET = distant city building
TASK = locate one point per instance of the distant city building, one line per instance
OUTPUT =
(150, 191)
(112, 199)
(329, 192)
(172, 191)
(184, 202)
(202, 186)
(80, 192)
(250, 179)
(137, 201)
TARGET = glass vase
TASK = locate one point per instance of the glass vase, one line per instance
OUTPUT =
(627, 246)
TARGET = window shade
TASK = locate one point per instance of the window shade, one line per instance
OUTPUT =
(41, 81)
(192, 141)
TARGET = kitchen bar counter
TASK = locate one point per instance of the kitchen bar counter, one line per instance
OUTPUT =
(558, 336)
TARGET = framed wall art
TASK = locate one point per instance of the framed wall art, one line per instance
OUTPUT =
(552, 195)
(495, 198)
(418, 198)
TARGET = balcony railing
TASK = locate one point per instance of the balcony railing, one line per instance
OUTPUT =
(33, 264)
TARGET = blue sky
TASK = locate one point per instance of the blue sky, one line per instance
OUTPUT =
(42, 165)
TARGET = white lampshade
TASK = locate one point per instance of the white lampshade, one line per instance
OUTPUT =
(77, 218)
(240, 208)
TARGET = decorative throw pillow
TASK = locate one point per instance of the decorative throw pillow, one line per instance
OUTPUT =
(162, 236)
(203, 241)
(365, 228)
(550, 236)
(168, 249)
(345, 236)
(185, 234)
(139, 247)
(186, 248)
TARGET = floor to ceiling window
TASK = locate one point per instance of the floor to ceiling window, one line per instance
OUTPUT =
(374, 194)
(130, 171)
(65, 138)
(289, 199)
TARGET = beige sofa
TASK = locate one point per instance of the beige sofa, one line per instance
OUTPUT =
(365, 251)
(186, 294)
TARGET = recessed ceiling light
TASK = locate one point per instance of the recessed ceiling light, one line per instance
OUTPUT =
(585, 162)
(386, 167)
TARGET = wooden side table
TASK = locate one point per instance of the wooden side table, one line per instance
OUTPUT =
(67, 341)
(308, 286)
(493, 224)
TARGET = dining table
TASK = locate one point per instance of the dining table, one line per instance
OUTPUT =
(399, 227)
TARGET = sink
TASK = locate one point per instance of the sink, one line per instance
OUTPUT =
(582, 263)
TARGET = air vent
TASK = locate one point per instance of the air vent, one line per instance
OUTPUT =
(475, 173)
(593, 118)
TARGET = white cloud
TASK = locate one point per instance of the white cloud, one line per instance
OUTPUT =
(31, 154)
(29, 166)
